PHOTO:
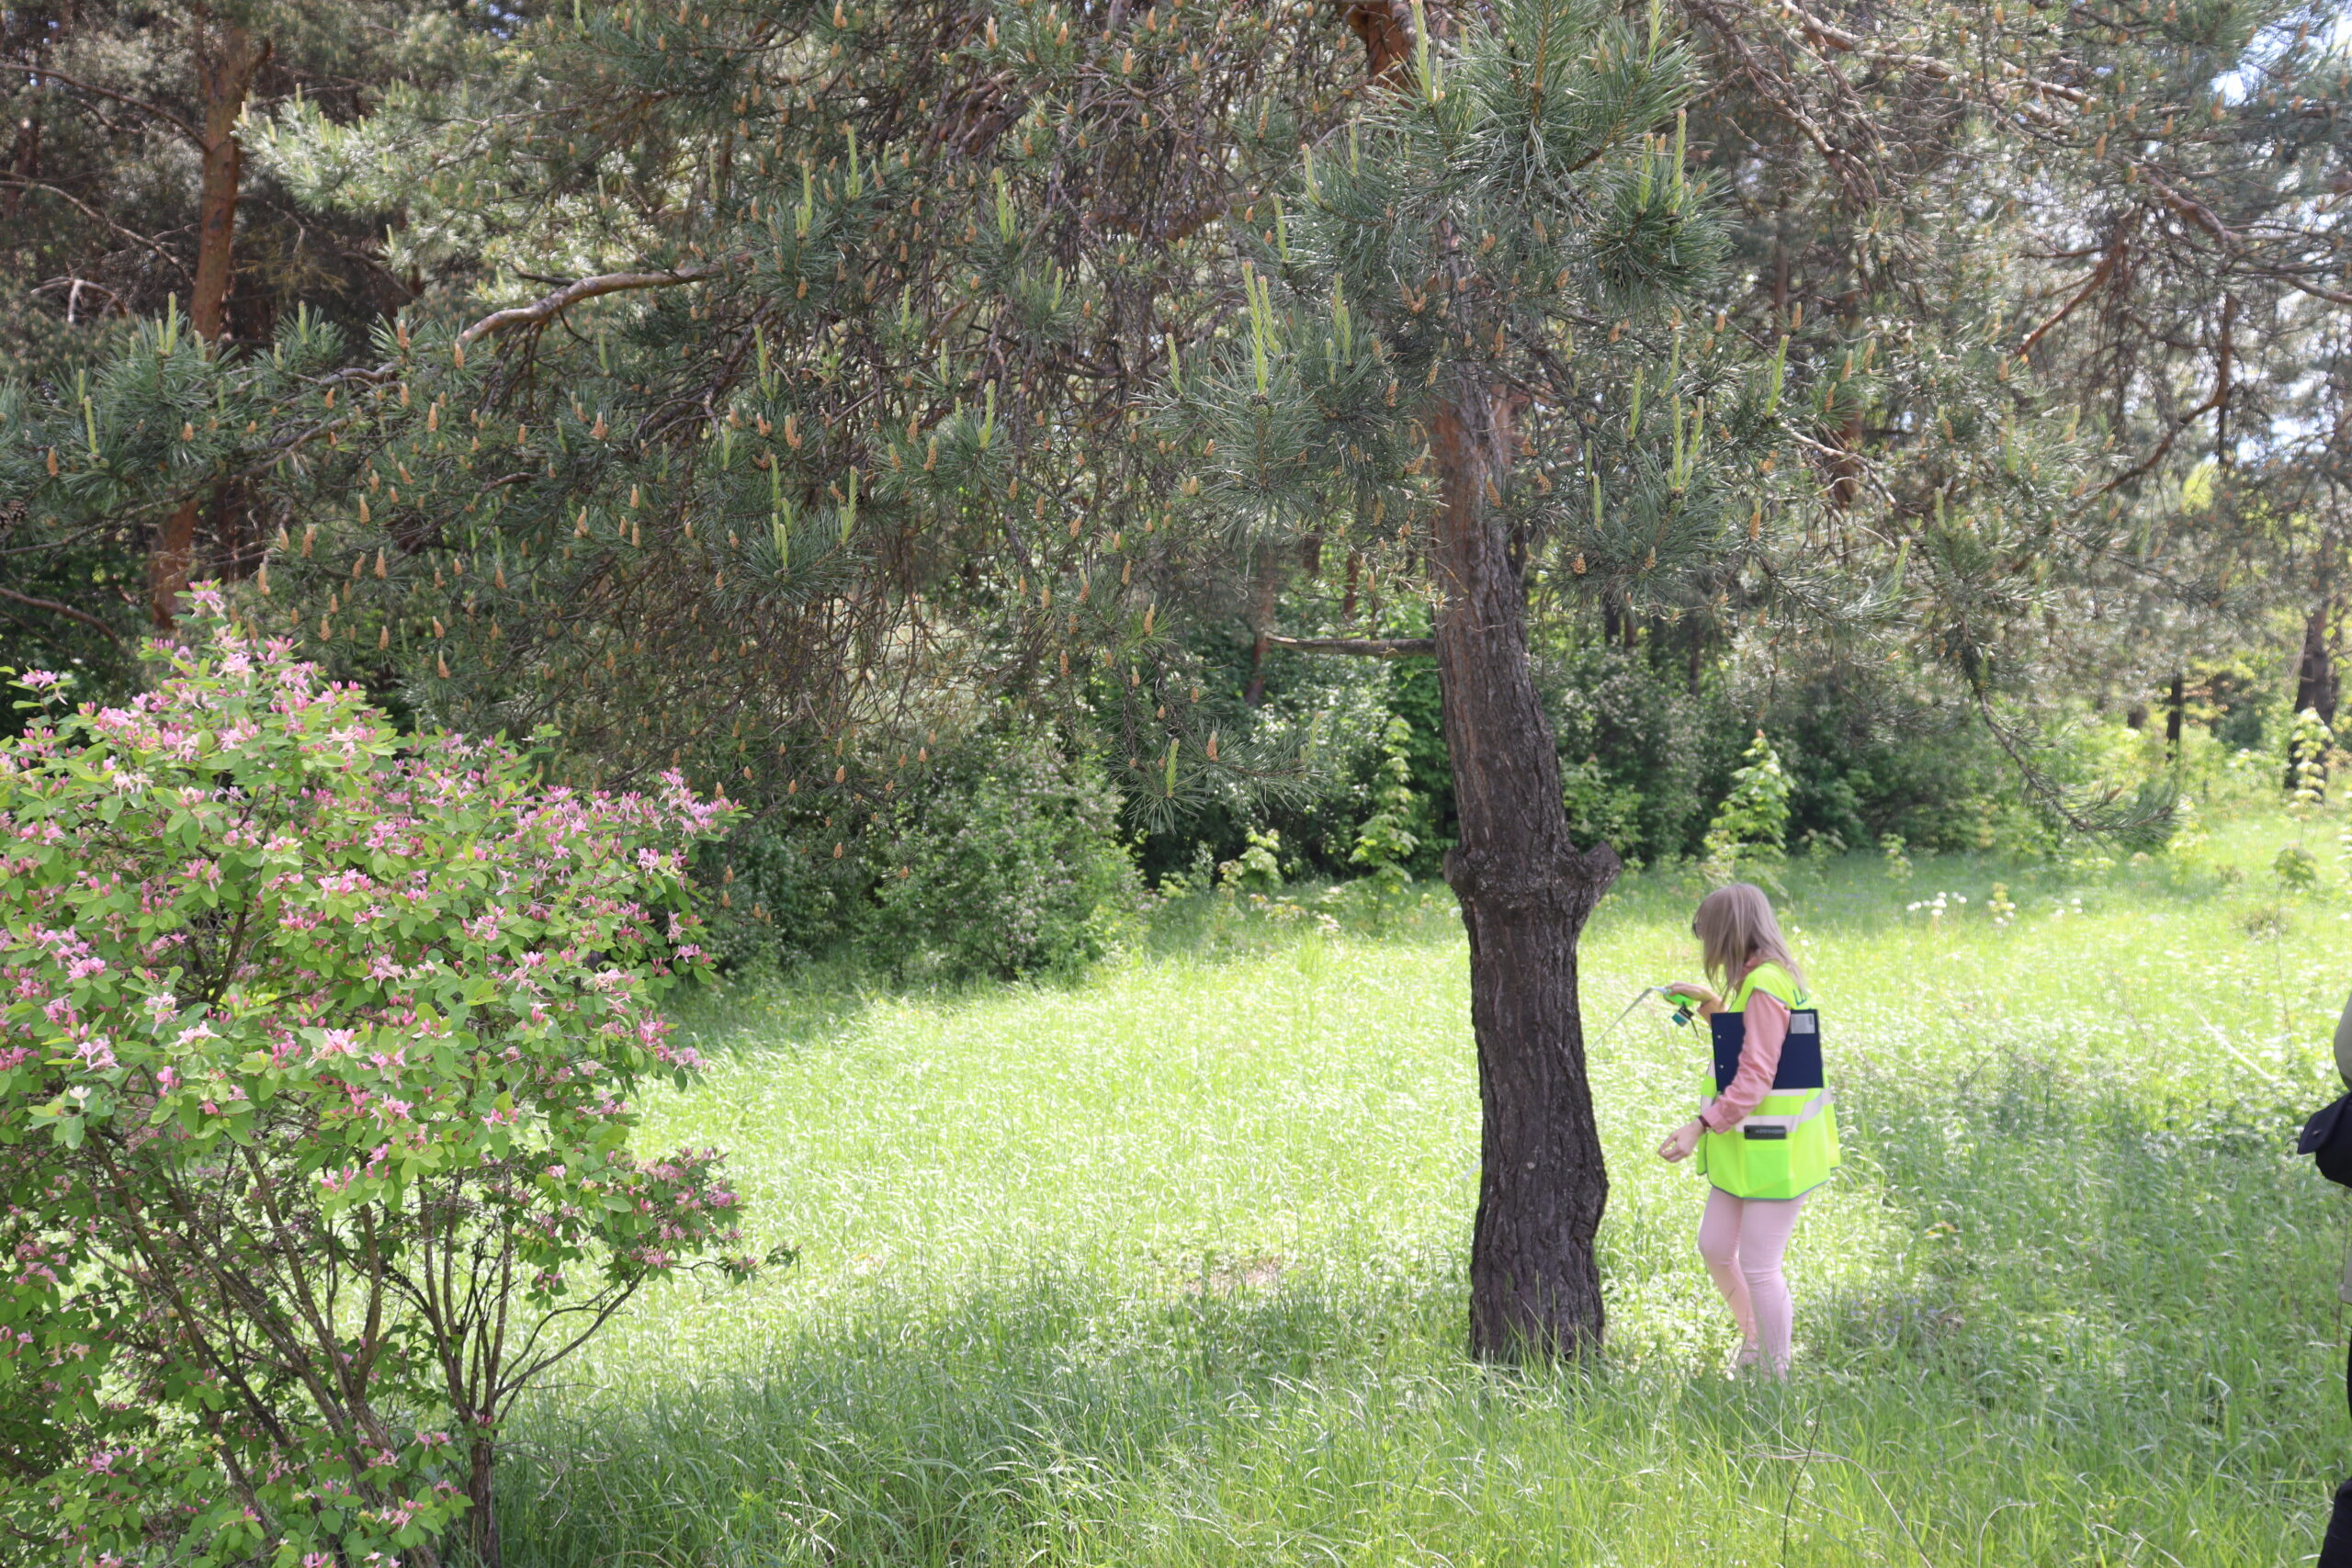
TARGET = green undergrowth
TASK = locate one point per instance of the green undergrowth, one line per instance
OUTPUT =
(1166, 1267)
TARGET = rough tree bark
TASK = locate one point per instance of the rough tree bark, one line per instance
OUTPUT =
(227, 59)
(1525, 892)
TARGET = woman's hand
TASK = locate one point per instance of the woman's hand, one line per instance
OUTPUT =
(1709, 1003)
(1682, 1141)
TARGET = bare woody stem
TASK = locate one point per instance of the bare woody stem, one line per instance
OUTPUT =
(548, 307)
(1362, 646)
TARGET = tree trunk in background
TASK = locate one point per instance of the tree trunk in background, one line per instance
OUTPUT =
(1262, 612)
(1525, 892)
(2315, 673)
(24, 163)
(227, 59)
(2175, 707)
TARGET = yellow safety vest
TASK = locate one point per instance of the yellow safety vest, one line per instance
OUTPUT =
(1788, 1145)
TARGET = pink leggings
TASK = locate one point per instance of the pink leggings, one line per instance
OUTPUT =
(1742, 1240)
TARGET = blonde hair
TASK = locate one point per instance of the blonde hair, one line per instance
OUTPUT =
(1737, 932)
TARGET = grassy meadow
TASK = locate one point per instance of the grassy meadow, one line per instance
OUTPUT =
(1167, 1268)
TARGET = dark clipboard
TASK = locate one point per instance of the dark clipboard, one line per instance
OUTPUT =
(1800, 1053)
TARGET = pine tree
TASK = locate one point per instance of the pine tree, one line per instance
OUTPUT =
(130, 184)
(1478, 324)
(830, 413)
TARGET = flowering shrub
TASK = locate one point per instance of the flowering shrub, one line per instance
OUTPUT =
(315, 1068)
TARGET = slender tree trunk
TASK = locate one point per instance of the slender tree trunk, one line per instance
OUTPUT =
(481, 1517)
(1261, 611)
(227, 59)
(1525, 892)
(2175, 709)
(2315, 672)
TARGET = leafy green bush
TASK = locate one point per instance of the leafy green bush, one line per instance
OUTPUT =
(1749, 836)
(315, 1071)
(1387, 839)
(1258, 868)
(783, 897)
(1638, 750)
(1007, 866)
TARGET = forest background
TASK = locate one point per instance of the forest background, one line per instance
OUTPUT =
(2103, 250)
(2061, 296)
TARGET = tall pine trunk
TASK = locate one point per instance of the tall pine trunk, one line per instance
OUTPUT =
(227, 59)
(1525, 892)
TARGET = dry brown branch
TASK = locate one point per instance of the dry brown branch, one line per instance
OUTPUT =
(1362, 646)
(548, 307)
(68, 611)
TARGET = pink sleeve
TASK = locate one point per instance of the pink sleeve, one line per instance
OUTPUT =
(1759, 1061)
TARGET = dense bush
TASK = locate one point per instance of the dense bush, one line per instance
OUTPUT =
(1652, 745)
(314, 1110)
(1000, 859)
(1010, 865)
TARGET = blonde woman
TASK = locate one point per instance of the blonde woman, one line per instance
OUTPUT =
(1767, 1134)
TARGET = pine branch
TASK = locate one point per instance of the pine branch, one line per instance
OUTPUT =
(553, 305)
(68, 611)
(92, 214)
(194, 137)
(1844, 42)
(2099, 274)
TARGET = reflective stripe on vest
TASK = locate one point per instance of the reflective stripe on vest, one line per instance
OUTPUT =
(1788, 1145)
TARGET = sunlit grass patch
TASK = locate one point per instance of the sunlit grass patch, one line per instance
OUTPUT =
(1166, 1266)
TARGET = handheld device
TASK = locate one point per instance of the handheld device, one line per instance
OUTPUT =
(1685, 1008)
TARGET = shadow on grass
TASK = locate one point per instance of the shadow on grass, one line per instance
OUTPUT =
(821, 1002)
(908, 1429)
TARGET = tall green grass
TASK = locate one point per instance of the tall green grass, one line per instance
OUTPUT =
(1167, 1268)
